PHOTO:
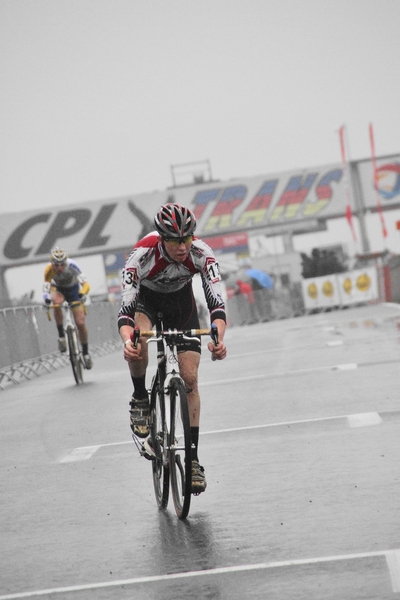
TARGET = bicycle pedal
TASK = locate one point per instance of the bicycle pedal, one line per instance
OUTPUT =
(146, 456)
(147, 451)
(139, 445)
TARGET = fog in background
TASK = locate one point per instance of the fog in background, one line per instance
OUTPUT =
(100, 97)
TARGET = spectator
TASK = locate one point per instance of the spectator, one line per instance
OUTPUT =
(249, 308)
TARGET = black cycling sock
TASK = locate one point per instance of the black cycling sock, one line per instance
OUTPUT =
(85, 348)
(139, 386)
(194, 436)
(61, 332)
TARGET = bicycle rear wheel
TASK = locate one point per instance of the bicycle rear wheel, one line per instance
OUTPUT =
(74, 355)
(159, 436)
(180, 448)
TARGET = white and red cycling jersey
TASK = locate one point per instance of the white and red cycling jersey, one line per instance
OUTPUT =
(149, 266)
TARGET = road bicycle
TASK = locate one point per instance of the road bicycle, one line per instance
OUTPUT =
(71, 332)
(169, 418)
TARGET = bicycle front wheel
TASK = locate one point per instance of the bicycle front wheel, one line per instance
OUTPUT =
(180, 448)
(159, 436)
(74, 355)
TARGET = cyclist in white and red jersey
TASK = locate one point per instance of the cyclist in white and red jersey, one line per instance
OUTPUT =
(64, 280)
(158, 278)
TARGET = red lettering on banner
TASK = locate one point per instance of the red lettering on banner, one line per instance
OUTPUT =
(202, 199)
(258, 207)
(222, 215)
(294, 195)
(231, 241)
(324, 193)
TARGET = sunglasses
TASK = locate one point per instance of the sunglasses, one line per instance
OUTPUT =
(178, 241)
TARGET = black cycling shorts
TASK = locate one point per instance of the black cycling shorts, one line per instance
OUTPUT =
(178, 310)
(71, 294)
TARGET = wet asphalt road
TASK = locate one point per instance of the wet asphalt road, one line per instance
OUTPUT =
(300, 441)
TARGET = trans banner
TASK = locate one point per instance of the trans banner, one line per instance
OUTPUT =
(344, 289)
(295, 201)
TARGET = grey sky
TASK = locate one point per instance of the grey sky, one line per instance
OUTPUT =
(100, 97)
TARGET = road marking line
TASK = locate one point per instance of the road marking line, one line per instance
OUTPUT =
(345, 367)
(390, 555)
(393, 563)
(86, 452)
(364, 419)
(356, 420)
(279, 349)
(392, 305)
(82, 453)
(282, 424)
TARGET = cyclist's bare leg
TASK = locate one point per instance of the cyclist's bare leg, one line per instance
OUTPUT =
(78, 311)
(189, 366)
(138, 368)
(57, 298)
(79, 318)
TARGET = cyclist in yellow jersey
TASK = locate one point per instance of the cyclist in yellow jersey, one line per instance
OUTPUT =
(64, 280)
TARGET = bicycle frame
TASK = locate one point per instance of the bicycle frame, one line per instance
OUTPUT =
(171, 438)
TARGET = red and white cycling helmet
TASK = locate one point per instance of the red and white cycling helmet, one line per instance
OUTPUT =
(58, 256)
(174, 221)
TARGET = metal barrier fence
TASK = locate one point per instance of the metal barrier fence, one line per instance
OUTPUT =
(29, 339)
(268, 305)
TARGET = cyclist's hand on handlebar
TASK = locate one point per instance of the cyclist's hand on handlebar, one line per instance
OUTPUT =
(47, 302)
(218, 352)
(130, 353)
(82, 298)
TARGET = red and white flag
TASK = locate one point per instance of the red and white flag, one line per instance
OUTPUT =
(376, 181)
(349, 212)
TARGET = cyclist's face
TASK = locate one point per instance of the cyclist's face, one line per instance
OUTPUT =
(59, 267)
(178, 250)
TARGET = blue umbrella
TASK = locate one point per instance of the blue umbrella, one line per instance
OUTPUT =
(262, 277)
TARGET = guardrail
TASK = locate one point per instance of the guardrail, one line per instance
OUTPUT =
(29, 340)
(265, 305)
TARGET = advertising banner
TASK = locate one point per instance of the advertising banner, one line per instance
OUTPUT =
(358, 286)
(343, 289)
(221, 208)
(235, 242)
(295, 200)
(321, 292)
(387, 177)
(113, 265)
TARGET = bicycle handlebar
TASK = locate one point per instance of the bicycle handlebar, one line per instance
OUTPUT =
(64, 305)
(172, 332)
(185, 334)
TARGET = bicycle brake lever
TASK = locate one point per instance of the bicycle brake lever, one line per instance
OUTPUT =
(135, 336)
(214, 337)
